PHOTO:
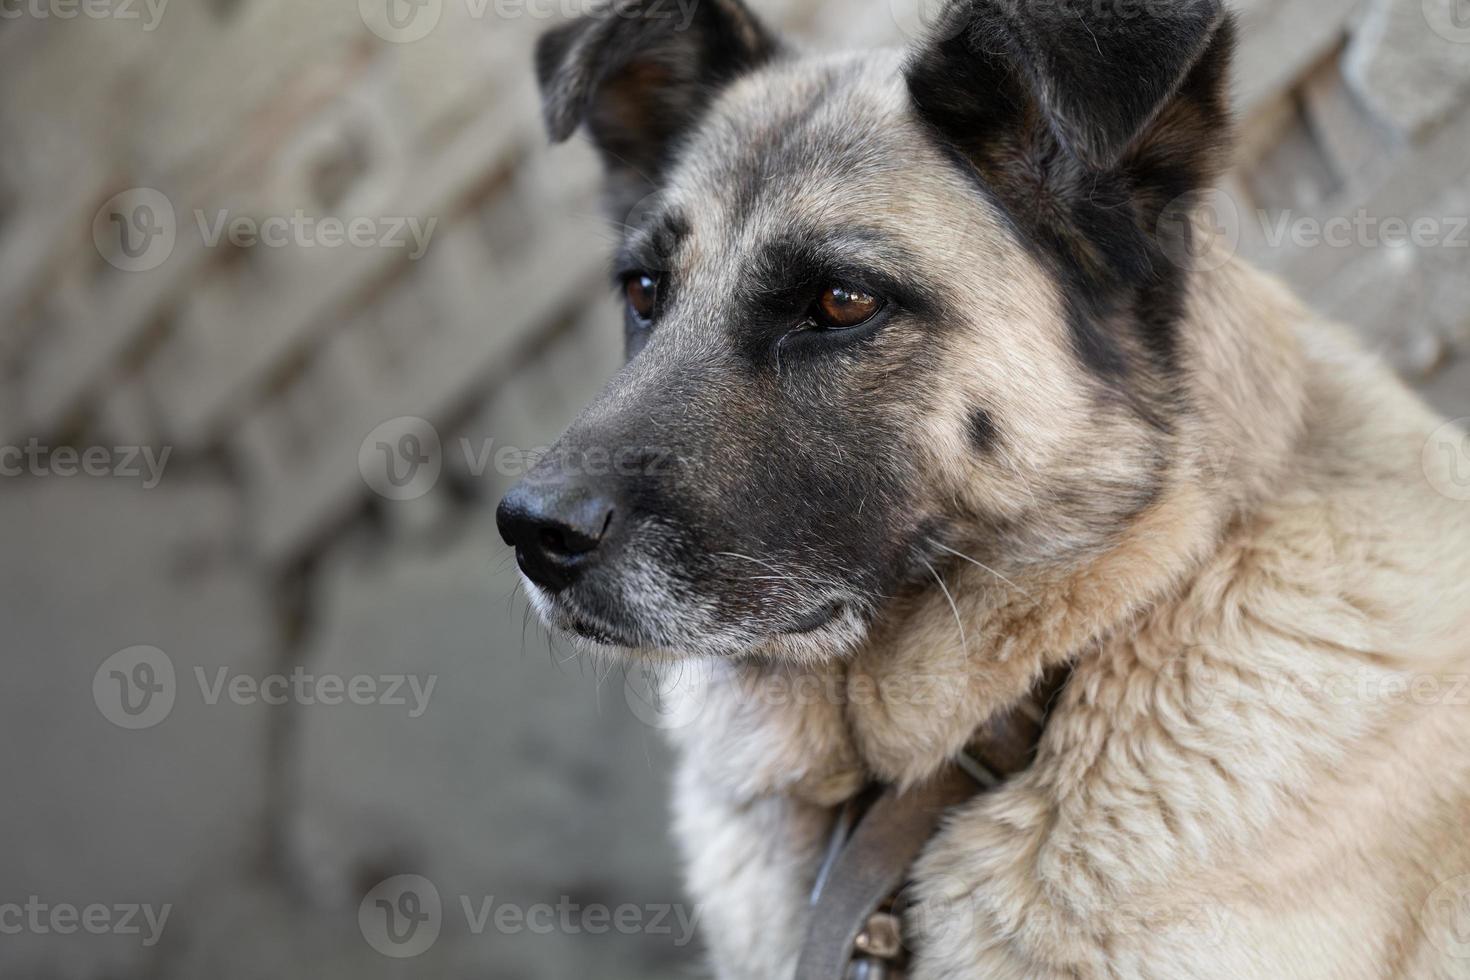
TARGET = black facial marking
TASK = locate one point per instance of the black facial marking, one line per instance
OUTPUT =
(652, 246)
(786, 275)
(649, 250)
(801, 261)
(982, 431)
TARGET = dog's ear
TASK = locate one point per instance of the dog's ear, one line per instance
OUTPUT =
(1099, 73)
(640, 72)
(1089, 124)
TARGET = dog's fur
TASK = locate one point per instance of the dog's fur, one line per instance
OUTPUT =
(1072, 436)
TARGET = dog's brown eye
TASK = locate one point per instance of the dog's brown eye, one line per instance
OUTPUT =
(642, 293)
(840, 307)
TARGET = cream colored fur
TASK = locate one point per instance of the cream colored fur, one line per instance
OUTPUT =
(1261, 764)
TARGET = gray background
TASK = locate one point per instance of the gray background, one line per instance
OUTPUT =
(262, 370)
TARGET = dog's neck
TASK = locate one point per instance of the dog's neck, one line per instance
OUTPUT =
(946, 662)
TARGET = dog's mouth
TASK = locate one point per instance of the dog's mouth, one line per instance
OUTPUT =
(612, 625)
(607, 628)
(597, 633)
(617, 635)
(818, 618)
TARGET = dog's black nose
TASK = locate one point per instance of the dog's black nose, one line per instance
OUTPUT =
(555, 530)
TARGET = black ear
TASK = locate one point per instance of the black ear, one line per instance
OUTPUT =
(1099, 71)
(1084, 120)
(640, 72)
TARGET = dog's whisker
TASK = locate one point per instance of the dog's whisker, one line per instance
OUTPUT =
(964, 643)
(525, 617)
(982, 566)
(830, 583)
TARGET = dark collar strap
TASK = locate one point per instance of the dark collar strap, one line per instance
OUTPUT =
(855, 930)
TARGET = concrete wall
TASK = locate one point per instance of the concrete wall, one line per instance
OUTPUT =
(183, 626)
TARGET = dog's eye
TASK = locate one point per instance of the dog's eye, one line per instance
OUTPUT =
(841, 307)
(642, 293)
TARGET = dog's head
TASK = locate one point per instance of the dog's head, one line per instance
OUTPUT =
(882, 310)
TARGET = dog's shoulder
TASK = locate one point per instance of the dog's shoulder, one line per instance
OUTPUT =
(1283, 736)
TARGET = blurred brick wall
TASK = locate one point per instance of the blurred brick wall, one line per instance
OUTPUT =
(272, 540)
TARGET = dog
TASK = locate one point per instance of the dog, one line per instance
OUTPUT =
(937, 381)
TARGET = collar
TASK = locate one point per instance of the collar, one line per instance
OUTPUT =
(855, 928)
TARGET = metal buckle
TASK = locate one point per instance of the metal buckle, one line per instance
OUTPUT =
(879, 948)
